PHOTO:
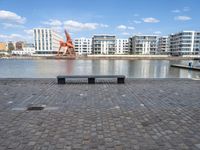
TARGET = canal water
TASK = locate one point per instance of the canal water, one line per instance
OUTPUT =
(13, 68)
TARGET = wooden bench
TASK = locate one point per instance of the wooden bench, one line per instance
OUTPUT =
(91, 78)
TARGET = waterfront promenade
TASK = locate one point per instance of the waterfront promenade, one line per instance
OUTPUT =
(142, 114)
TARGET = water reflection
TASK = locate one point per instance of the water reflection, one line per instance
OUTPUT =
(130, 68)
(148, 69)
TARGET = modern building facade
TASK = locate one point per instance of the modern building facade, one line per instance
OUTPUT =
(11, 46)
(19, 45)
(185, 42)
(130, 45)
(163, 45)
(122, 46)
(3, 46)
(143, 44)
(103, 44)
(46, 41)
(28, 50)
(83, 46)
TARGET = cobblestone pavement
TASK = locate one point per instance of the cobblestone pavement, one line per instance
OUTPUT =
(143, 114)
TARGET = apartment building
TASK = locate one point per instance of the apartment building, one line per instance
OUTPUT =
(185, 42)
(83, 46)
(11, 46)
(163, 45)
(122, 46)
(143, 44)
(28, 50)
(3, 46)
(103, 44)
(19, 45)
(130, 45)
(46, 41)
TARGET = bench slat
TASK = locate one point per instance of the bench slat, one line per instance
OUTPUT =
(91, 78)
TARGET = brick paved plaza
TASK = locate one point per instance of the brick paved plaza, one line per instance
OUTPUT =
(143, 114)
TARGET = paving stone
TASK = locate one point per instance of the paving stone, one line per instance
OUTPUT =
(197, 145)
(140, 114)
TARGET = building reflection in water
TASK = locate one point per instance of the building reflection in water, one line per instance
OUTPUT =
(69, 66)
(139, 68)
(109, 67)
(148, 69)
(132, 68)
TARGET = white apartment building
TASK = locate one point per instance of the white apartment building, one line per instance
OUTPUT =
(83, 46)
(163, 45)
(28, 50)
(103, 44)
(122, 46)
(46, 41)
(143, 44)
(185, 42)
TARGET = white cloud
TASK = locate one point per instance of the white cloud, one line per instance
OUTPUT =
(58, 29)
(75, 25)
(137, 21)
(150, 20)
(186, 9)
(3, 36)
(176, 11)
(72, 25)
(8, 16)
(104, 25)
(78, 26)
(52, 22)
(16, 37)
(125, 33)
(11, 37)
(29, 35)
(10, 25)
(131, 28)
(138, 33)
(29, 32)
(182, 18)
(123, 27)
(157, 32)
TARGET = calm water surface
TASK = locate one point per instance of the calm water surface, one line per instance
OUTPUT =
(10, 68)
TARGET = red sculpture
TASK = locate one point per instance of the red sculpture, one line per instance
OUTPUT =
(68, 46)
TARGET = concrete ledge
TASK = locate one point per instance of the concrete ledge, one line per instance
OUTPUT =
(185, 67)
(136, 57)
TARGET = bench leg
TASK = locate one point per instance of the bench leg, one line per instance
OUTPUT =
(91, 80)
(120, 80)
(61, 80)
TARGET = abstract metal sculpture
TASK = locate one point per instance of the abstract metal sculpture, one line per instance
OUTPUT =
(68, 46)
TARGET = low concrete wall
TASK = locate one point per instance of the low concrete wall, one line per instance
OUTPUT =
(167, 57)
(191, 56)
(129, 56)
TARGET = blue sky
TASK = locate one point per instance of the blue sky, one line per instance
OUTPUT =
(83, 18)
